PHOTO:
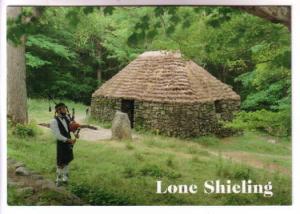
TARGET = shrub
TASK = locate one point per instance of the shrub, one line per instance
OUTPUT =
(224, 131)
(21, 130)
(129, 146)
(274, 123)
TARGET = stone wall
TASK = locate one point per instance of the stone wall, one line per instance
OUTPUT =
(104, 109)
(172, 119)
(184, 120)
(225, 109)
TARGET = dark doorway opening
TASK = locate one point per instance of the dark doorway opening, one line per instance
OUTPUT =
(218, 106)
(127, 106)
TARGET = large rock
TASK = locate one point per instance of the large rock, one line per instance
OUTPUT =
(121, 129)
(22, 171)
(19, 164)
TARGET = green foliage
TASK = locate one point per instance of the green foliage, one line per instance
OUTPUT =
(129, 146)
(274, 123)
(29, 130)
(99, 196)
(13, 197)
(18, 27)
(34, 61)
(66, 46)
(108, 10)
(50, 46)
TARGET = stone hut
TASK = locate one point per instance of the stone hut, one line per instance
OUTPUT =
(165, 93)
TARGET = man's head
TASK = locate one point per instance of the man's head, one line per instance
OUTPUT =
(61, 108)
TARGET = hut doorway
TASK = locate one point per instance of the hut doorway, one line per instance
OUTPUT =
(127, 106)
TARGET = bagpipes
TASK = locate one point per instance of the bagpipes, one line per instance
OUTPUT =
(73, 125)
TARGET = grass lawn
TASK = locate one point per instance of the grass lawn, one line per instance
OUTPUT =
(120, 173)
(38, 109)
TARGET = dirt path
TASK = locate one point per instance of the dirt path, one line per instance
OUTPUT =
(94, 135)
(90, 134)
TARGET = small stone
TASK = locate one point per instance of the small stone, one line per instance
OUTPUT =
(22, 171)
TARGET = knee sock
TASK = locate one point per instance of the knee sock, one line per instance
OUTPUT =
(66, 170)
(59, 173)
(65, 173)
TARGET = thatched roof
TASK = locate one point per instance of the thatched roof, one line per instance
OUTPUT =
(161, 76)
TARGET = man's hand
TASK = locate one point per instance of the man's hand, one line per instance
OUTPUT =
(76, 135)
(71, 141)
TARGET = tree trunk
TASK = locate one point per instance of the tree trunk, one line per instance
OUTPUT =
(275, 14)
(16, 76)
(99, 75)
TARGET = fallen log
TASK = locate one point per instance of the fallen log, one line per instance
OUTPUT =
(84, 126)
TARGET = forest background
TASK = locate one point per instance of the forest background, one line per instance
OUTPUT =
(71, 51)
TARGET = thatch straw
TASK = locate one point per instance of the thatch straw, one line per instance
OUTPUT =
(160, 76)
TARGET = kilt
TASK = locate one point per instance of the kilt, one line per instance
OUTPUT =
(64, 153)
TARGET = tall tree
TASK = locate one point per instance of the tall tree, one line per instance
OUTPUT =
(16, 75)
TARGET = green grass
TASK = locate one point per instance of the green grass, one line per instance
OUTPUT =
(248, 142)
(125, 173)
(38, 109)
(14, 197)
